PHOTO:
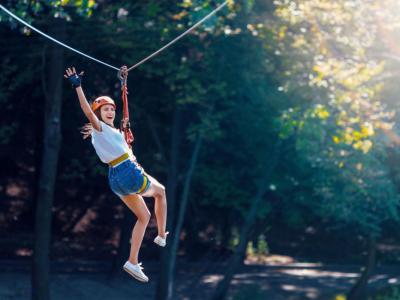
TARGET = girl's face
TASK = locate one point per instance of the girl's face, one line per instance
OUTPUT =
(108, 114)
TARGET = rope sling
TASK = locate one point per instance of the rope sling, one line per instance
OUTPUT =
(125, 125)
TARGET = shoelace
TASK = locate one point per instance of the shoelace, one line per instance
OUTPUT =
(164, 238)
(140, 266)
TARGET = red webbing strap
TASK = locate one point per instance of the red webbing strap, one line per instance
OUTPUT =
(125, 111)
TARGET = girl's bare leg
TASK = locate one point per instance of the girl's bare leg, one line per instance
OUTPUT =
(157, 191)
(137, 205)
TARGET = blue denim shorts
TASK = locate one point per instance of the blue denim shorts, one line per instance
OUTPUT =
(127, 178)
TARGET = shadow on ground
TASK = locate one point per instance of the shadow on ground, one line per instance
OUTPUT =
(195, 281)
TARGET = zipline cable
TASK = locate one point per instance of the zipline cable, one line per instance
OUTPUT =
(54, 40)
(180, 36)
(104, 63)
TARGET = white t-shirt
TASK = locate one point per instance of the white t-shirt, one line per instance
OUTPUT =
(109, 143)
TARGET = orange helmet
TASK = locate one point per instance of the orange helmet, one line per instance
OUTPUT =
(100, 101)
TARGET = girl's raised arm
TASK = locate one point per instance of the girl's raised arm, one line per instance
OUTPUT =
(76, 81)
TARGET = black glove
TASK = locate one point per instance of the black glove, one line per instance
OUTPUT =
(75, 80)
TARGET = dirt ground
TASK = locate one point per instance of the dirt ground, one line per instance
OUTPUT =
(194, 281)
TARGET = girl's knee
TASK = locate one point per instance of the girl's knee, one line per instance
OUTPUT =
(160, 193)
(160, 187)
(144, 218)
(162, 190)
(148, 216)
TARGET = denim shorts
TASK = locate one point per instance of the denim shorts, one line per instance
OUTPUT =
(127, 178)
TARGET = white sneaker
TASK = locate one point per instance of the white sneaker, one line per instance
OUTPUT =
(161, 241)
(135, 271)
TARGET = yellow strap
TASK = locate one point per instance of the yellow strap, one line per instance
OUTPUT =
(143, 185)
(118, 159)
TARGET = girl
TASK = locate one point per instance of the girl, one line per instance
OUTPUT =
(126, 177)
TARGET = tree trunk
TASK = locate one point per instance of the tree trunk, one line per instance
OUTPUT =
(174, 243)
(359, 291)
(237, 258)
(48, 169)
(182, 207)
(164, 284)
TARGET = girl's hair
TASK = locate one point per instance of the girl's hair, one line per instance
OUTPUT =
(87, 129)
